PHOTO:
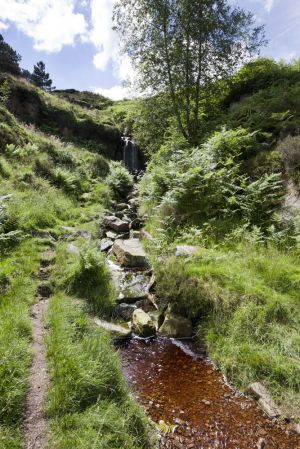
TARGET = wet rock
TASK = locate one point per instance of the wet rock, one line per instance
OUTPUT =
(125, 311)
(119, 215)
(106, 244)
(134, 202)
(130, 253)
(185, 250)
(45, 289)
(111, 235)
(116, 224)
(117, 330)
(121, 207)
(136, 224)
(176, 326)
(142, 324)
(260, 393)
(134, 288)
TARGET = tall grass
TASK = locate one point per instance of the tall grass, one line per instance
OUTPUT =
(17, 295)
(89, 403)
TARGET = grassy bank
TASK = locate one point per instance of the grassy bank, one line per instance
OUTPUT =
(17, 288)
(89, 403)
(244, 301)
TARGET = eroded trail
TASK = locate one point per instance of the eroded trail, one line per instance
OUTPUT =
(35, 422)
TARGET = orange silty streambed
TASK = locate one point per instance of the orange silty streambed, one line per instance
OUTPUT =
(176, 385)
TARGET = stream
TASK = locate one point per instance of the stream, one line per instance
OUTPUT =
(178, 384)
(174, 381)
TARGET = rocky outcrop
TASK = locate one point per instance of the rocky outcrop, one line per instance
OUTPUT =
(116, 224)
(130, 253)
(176, 326)
(142, 324)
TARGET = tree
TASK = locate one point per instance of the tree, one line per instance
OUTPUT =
(9, 58)
(182, 46)
(40, 78)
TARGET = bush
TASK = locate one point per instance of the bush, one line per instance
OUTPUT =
(99, 166)
(119, 180)
(205, 184)
(92, 281)
(4, 168)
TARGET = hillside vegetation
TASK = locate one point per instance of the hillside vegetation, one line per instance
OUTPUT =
(53, 190)
(234, 197)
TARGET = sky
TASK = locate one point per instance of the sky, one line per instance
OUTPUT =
(76, 41)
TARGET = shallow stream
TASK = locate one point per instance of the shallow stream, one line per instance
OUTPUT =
(177, 384)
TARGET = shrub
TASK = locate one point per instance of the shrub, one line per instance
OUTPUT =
(4, 168)
(92, 281)
(119, 180)
(99, 166)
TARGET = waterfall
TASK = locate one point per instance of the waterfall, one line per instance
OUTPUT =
(130, 154)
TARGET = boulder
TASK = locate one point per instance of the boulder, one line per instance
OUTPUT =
(185, 250)
(133, 288)
(260, 393)
(136, 224)
(121, 207)
(130, 253)
(142, 324)
(176, 326)
(119, 225)
(125, 311)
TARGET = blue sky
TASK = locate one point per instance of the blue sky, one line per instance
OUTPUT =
(75, 40)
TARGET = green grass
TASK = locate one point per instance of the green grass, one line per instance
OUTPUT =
(245, 299)
(17, 289)
(89, 403)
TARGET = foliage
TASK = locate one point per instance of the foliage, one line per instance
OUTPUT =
(119, 180)
(91, 280)
(4, 92)
(85, 99)
(182, 45)
(40, 78)
(206, 184)
(9, 58)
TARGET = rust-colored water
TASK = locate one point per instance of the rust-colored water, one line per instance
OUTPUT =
(176, 386)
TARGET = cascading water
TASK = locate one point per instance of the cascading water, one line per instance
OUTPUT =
(130, 155)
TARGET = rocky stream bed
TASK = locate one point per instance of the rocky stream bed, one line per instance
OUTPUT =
(172, 378)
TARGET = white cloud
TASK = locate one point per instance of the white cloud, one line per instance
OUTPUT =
(115, 93)
(3, 26)
(50, 23)
(269, 5)
(106, 40)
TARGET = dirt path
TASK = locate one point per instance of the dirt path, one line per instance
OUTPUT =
(35, 422)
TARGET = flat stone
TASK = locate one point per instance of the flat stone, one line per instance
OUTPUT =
(133, 288)
(185, 250)
(176, 326)
(130, 253)
(116, 329)
(106, 244)
(142, 324)
(260, 393)
(111, 235)
(118, 225)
